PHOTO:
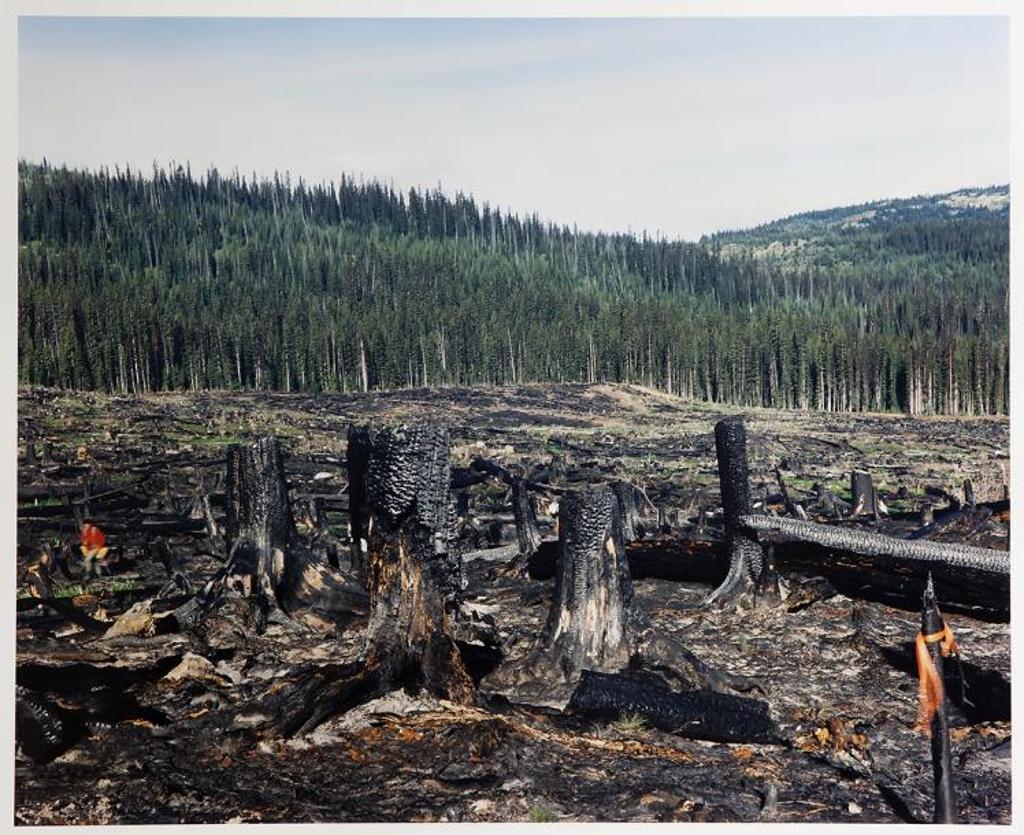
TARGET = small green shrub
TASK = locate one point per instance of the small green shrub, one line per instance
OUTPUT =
(541, 814)
(630, 723)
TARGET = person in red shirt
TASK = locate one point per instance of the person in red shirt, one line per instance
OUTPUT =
(94, 549)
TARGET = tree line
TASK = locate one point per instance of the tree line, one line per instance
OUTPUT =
(137, 282)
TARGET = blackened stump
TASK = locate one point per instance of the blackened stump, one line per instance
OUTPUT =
(413, 578)
(594, 622)
(593, 615)
(527, 532)
(745, 558)
(357, 457)
(258, 524)
(863, 495)
(528, 536)
(632, 526)
(267, 560)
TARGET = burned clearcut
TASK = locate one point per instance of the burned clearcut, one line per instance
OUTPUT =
(571, 602)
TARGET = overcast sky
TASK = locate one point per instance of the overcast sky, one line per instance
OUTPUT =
(677, 126)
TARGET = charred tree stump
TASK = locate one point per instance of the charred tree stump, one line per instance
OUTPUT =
(828, 503)
(594, 622)
(528, 537)
(527, 532)
(864, 496)
(261, 532)
(745, 558)
(267, 561)
(414, 580)
(357, 458)
(625, 496)
(593, 611)
(968, 493)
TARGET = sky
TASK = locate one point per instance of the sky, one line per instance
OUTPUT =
(679, 127)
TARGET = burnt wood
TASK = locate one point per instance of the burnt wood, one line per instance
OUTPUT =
(745, 557)
(863, 495)
(932, 622)
(594, 622)
(697, 714)
(413, 575)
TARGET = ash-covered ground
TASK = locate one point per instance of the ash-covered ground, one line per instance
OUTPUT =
(170, 729)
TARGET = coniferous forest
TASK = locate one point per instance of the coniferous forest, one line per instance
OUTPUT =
(135, 281)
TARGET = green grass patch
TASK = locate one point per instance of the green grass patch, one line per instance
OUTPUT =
(630, 723)
(542, 814)
(99, 587)
(47, 501)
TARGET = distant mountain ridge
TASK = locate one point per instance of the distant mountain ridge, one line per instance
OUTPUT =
(990, 202)
(807, 236)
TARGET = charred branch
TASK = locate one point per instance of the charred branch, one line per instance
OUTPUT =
(792, 508)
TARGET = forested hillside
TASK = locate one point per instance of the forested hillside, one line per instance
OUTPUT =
(135, 282)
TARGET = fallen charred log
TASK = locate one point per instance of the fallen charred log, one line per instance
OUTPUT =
(106, 502)
(698, 714)
(963, 521)
(937, 555)
(673, 557)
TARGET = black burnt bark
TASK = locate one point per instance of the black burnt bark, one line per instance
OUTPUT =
(626, 497)
(745, 558)
(357, 458)
(267, 561)
(414, 580)
(699, 714)
(594, 622)
(527, 532)
(933, 623)
(940, 556)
